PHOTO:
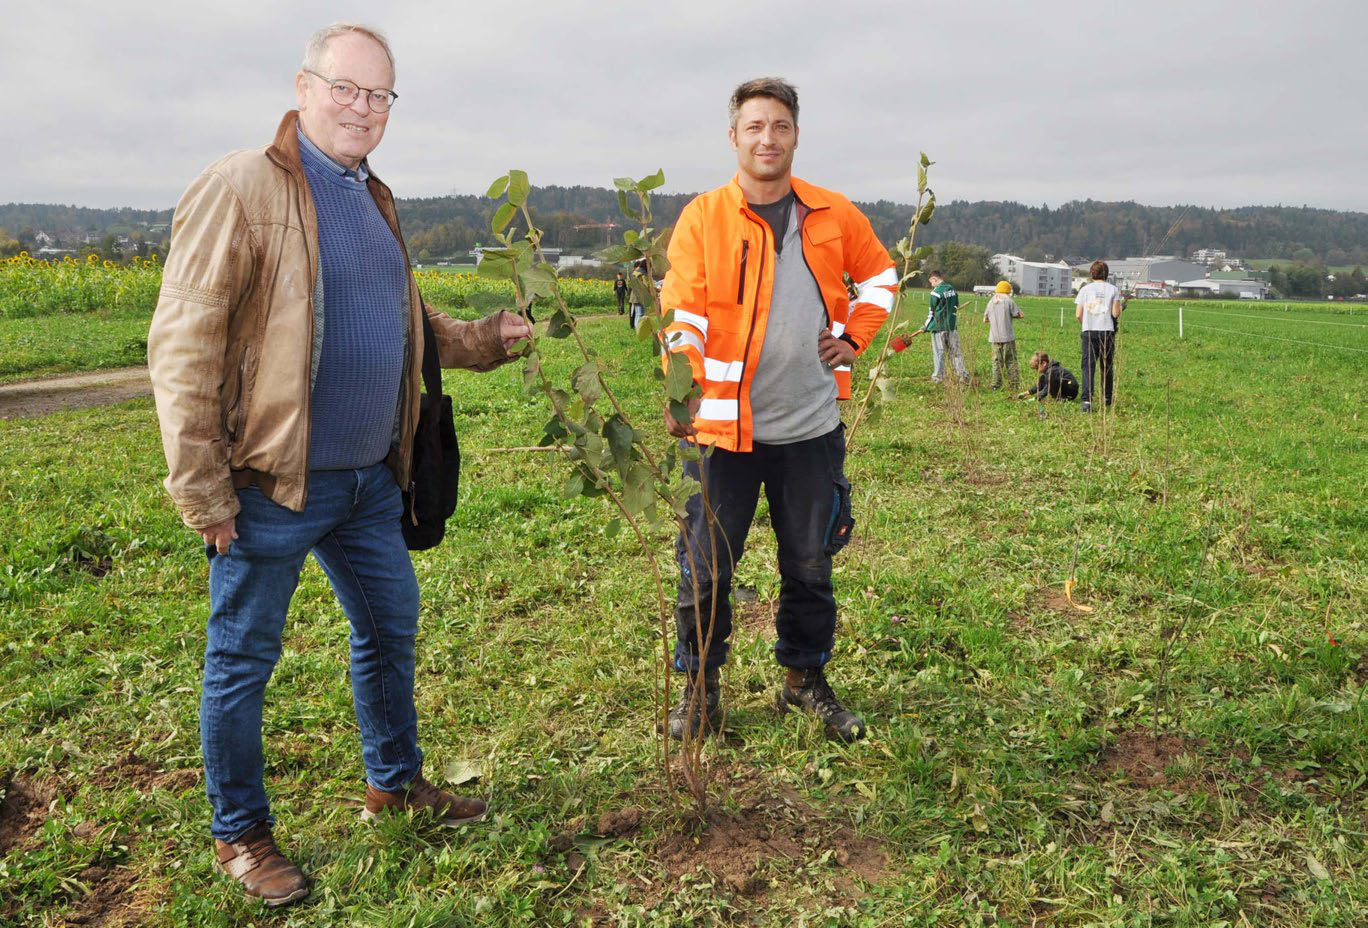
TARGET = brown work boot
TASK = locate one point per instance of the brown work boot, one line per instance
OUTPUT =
(257, 864)
(422, 796)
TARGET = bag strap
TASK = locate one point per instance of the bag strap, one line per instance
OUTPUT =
(432, 366)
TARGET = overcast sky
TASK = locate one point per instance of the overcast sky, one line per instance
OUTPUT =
(1214, 103)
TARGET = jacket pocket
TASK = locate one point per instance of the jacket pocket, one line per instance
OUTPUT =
(842, 521)
(237, 409)
(821, 231)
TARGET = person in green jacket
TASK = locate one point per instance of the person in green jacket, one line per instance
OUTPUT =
(940, 322)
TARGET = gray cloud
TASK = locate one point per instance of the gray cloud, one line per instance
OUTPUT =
(1215, 103)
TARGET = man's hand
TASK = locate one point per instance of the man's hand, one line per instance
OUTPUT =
(220, 535)
(681, 429)
(512, 329)
(833, 351)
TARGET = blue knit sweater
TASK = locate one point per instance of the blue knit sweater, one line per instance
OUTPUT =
(365, 283)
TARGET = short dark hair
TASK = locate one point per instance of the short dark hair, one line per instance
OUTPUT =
(1099, 270)
(776, 88)
(940, 274)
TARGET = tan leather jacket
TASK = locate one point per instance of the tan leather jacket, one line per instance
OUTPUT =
(231, 350)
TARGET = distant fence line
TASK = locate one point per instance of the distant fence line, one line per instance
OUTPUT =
(1177, 320)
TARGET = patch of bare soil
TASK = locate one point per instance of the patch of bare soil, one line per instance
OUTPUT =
(755, 617)
(1143, 762)
(31, 398)
(111, 900)
(23, 809)
(1051, 599)
(1141, 759)
(619, 822)
(144, 776)
(772, 825)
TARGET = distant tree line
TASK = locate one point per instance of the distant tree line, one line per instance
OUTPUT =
(573, 219)
(1312, 281)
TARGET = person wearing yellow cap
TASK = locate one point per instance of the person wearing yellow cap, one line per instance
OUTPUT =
(999, 313)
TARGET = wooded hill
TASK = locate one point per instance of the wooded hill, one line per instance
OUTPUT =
(438, 227)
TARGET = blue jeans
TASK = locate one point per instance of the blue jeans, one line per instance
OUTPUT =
(351, 524)
(805, 484)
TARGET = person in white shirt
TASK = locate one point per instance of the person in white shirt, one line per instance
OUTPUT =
(1097, 308)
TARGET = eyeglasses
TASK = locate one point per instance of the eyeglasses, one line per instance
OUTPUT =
(344, 93)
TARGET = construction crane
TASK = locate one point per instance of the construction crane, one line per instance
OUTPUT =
(607, 228)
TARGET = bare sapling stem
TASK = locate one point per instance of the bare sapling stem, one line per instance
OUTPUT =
(926, 206)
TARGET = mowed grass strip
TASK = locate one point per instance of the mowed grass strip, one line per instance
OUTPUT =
(1010, 777)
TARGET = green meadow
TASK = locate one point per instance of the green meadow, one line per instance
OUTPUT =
(1179, 737)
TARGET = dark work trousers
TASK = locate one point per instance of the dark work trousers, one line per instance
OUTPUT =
(1098, 348)
(805, 484)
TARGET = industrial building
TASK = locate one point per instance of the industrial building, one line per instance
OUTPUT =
(1035, 278)
(1164, 269)
(1240, 289)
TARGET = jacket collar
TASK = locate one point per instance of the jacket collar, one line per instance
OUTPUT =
(284, 150)
(811, 196)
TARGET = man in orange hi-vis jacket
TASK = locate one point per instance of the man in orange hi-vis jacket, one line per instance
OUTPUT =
(762, 314)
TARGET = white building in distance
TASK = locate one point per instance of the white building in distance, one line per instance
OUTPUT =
(1240, 289)
(1035, 278)
(1209, 256)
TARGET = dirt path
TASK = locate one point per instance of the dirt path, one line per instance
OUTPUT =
(29, 398)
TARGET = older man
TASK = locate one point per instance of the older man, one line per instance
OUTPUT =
(286, 355)
(762, 315)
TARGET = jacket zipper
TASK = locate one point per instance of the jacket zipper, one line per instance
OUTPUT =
(802, 248)
(301, 192)
(741, 286)
(745, 352)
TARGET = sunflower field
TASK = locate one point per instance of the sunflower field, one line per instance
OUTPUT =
(31, 287)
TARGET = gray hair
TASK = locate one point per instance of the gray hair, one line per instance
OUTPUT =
(318, 43)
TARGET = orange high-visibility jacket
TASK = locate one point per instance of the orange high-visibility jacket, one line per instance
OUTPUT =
(721, 278)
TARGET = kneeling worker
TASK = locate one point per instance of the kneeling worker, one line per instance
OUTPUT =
(1055, 382)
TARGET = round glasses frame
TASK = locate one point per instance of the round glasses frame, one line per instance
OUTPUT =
(345, 93)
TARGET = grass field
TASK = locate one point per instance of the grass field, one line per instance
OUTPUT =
(1010, 777)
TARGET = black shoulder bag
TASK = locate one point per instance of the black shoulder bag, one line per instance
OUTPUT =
(435, 468)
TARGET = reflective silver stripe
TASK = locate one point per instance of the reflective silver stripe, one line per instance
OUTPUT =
(681, 339)
(722, 371)
(843, 367)
(838, 329)
(874, 290)
(887, 278)
(698, 322)
(877, 295)
(721, 410)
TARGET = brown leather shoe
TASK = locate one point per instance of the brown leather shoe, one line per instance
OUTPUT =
(257, 864)
(422, 796)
